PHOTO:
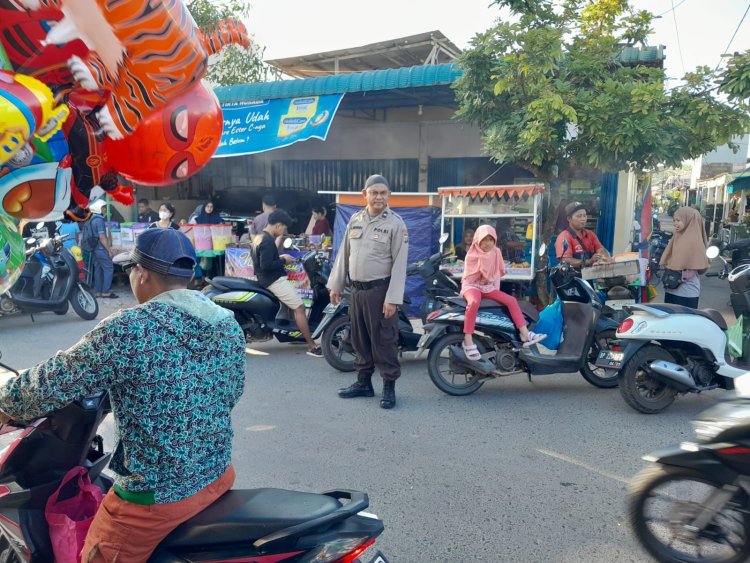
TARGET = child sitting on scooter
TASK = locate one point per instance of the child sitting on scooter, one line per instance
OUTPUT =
(481, 280)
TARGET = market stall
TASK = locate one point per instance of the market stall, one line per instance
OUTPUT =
(514, 211)
(421, 214)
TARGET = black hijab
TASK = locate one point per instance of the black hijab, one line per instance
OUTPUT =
(212, 218)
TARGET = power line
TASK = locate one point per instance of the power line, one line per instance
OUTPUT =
(674, 7)
(726, 49)
(677, 32)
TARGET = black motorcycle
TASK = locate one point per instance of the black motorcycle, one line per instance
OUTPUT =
(334, 330)
(242, 525)
(657, 243)
(50, 280)
(585, 333)
(693, 505)
(260, 313)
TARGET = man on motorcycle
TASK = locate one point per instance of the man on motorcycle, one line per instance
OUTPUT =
(174, 367)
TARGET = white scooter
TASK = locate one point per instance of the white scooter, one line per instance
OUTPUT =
(669, 349)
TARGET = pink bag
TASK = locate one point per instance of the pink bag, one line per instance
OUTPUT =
(69, 520)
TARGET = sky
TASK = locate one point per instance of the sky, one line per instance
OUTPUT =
(287, 28)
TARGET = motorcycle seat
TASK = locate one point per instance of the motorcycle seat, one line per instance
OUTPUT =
(236, 284)
(527, 308)
(710, 314)
(243, 516)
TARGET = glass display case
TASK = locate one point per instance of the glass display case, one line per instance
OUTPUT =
(512, 210)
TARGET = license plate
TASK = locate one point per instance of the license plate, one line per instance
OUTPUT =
(330, 308)
(618, 304)
(379, 558)
(610, 359)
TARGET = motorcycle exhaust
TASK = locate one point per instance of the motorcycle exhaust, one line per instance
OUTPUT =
(678, 376)
(459, 363)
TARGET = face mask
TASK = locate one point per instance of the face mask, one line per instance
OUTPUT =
(164, 215)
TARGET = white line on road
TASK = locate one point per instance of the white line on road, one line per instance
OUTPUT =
(574, 461)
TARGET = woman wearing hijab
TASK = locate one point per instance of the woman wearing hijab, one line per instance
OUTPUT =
(208, 215)
(481, 280)
(685, 253)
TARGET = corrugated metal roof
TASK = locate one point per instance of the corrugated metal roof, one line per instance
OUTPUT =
(390, 79)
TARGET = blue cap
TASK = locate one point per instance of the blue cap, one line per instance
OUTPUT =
(159, 249)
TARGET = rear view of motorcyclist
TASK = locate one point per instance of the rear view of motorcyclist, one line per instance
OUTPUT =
(171, 401)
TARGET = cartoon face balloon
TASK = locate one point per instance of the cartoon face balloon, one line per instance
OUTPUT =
(11, 253)
(171, 144)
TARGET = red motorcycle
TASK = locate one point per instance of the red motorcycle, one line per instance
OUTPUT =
(254, 525)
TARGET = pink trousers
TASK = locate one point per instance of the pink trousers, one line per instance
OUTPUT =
(474, 297)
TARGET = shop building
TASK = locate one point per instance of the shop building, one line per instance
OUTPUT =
(395, 121)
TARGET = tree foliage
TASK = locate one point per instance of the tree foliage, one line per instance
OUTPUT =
(235, 64)
(549, 92)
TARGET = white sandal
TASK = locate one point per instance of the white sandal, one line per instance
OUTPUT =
(472, 352)
(534, 338)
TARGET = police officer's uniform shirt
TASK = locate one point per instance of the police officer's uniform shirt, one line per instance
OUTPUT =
(373, 248)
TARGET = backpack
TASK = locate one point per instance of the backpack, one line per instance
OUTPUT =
(89, 239)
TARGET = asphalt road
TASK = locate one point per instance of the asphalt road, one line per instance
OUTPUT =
(520, 471)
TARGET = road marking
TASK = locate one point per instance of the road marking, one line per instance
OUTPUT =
(574, 461)
(254, 352)
(260, 428)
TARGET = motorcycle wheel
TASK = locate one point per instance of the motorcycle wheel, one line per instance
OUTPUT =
(662, 504)
(333, 349)
(63, 310)
(595, 375)
(438, 366)
(638, 388)
(84, 303)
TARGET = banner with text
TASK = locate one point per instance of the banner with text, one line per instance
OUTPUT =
(264, 125)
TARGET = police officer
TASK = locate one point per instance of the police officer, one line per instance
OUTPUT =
(373, 254)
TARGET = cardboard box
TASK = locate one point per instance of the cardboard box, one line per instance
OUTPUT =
(616, 269)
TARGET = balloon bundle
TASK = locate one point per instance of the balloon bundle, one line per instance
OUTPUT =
(91, 97)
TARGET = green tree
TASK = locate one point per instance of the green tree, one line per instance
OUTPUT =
(550, 92)
(235, 64)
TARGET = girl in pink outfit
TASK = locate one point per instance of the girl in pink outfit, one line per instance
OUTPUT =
(484, 267)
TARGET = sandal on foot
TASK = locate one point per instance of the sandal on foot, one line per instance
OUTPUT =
(472, 352)
(534, 338)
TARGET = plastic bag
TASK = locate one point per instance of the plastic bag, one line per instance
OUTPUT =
(551, 323)
(69, 520)
(735, 337)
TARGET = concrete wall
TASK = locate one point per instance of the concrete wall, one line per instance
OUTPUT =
(627, 189)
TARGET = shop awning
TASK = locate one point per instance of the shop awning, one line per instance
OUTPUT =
(521, 191)
(741, 182)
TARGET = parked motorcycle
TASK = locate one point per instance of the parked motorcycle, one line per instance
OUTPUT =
(585, 334)
(667, 349)
(334, 330)
(657, 243)
(51, 279)
(243, 525)
(693, 504)
(259, 312)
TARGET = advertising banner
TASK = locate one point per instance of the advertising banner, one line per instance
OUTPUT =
(263, 125)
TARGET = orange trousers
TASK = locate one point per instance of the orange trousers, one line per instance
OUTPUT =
(124, 532)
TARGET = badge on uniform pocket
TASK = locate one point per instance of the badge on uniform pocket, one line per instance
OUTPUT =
(355, 234)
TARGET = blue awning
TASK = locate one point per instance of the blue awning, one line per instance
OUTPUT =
(374, 80)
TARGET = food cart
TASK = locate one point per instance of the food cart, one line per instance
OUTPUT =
(487, 204)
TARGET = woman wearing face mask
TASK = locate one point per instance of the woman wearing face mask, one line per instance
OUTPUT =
(166, 214)
(686, 253)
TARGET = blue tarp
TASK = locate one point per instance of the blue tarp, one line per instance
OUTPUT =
(424, 240)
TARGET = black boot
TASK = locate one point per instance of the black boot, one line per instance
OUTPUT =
(360, 388)
(389, 395)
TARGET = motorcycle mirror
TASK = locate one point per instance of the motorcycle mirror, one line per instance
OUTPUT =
(443, 238)
(288, 243)
(542, 249)
(712, 252)
(31, 241)
(40, 225)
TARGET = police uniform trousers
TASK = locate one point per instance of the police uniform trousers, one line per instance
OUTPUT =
(375, 338)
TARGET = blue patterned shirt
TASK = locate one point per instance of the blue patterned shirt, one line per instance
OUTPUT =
(174, 368)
